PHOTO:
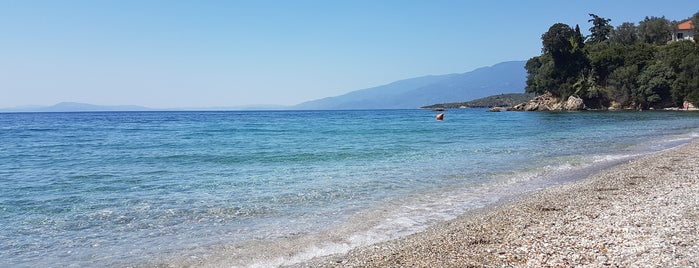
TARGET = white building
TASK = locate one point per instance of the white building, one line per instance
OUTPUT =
(685, 31)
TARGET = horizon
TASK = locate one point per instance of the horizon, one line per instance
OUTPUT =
(169, 54)
(71, 106)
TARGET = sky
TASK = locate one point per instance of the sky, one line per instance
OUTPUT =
(196, 54)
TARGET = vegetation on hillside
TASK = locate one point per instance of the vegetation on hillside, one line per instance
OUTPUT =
(628, 66)
(502, 100)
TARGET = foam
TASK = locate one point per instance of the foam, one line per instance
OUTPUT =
(401, 216)
(394, 219)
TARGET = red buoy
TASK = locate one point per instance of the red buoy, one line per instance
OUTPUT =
(440, 117)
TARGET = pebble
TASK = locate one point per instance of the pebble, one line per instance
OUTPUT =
(642, 213)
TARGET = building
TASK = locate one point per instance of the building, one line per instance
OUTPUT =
(685, 31)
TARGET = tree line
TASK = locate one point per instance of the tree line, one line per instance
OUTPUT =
(630, 66)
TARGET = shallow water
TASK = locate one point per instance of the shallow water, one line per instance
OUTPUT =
(128, 188)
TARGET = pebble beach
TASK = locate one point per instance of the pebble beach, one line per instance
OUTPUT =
(644, 213)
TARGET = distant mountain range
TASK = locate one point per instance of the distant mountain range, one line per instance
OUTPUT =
(85, 107)
(501, 78)
(76, 107)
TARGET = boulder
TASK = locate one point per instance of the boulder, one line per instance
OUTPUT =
(549, 102)
(545, 102)
(574, 104)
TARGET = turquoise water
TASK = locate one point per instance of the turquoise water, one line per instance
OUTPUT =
(130, 188)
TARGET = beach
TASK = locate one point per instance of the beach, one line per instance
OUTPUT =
(224, 189)
(644, 213)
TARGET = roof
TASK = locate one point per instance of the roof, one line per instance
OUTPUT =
(686, 25)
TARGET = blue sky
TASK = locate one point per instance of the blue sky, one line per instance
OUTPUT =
(179, 54)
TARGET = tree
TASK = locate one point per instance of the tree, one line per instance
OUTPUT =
(686, 86)
(682, 57)
(654, 85)
(605, 58)
(564, 47)
(693, 97)
(655, 30)
(626, 66)
(615, 68)
(621, 84)
(625, 34)
(639, 54)
(674, 28)
(540, 74)
(586, 87)
(673, 53)
(695, 22)
(600, 29)
(557, 41)
(579, 40)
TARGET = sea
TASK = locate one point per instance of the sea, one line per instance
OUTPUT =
(271, 188)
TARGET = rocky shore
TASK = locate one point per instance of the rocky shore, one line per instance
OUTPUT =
(549, 102)
(641, 214)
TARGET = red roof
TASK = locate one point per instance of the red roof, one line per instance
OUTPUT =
(687, 25)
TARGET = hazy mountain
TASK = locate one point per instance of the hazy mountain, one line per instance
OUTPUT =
(76, 107)
(502, 78)
(85, 107)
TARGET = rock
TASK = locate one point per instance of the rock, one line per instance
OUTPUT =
(532, 106)
(574, 104)
(545, 102)
(615, 106)
(496, 109)
(549, 102)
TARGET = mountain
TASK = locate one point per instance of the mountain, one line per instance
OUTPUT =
(502, 100)
(501, 78)
(76, 107)
(85, 107)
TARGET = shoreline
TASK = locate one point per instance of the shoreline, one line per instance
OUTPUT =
(641, 213)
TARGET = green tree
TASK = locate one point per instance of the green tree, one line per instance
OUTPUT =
(605, 58)
(674, 28)
(600, 29)
(639, 54)
(625, 34)
(654, 86)
(579, 40)
(686, 87)
(540, 74)
(587, 87)
(626, 66)
(615, 68)
(621, 84)
(682, 57)
(564, 47)
(673, 54)
(693, 97)
(557, 42)
(695, 22)
(655, 30)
